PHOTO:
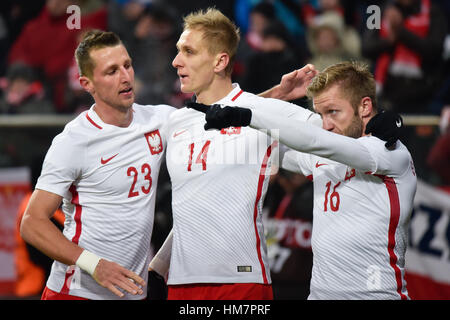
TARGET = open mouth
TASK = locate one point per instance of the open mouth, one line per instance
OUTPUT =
(126, 91)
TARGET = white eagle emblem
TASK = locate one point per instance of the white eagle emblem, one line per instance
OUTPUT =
(154, 142)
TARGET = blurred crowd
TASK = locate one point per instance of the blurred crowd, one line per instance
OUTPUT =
(405, 42)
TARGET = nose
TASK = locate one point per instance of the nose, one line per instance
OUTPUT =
(176, 62)
(327, 124)
(126, 74)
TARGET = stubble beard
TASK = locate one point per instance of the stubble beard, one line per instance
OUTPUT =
(355, 128)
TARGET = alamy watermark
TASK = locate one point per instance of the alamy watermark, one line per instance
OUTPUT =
(373, 278)
(374, 19)
(74, 20)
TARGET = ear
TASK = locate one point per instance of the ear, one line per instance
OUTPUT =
(221, 62)
(365, 108)
(86, 84)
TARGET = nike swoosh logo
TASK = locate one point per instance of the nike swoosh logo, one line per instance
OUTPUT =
(178, 133)
(107, 160)
(320, 164)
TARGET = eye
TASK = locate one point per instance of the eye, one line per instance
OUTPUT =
(188, 51)
(332, 112)
(111, 72)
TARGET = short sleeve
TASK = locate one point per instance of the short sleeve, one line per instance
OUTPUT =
(62, 165)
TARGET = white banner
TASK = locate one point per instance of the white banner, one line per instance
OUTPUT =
(14, 184)
(428, 254)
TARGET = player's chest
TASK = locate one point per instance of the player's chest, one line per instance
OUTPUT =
(341, 189)
(192, 151)
(125, 163)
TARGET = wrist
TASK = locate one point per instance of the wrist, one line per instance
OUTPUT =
(88, 261)
(273, 92)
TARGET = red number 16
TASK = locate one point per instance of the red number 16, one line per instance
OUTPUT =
(334, 205)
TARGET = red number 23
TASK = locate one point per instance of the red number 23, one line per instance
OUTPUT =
(132, 171)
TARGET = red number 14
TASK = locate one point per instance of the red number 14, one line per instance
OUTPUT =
(201, 158)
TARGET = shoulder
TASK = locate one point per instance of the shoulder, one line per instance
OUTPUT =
(162, 110)
(254, 98)
(182, 113)
(77, 131)
(394, 160)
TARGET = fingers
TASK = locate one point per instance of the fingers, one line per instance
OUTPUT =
(197, 106)
(308, 70)
(390, 142)
(133, 276)
(291, 75)
(116, 278)
(114, 290)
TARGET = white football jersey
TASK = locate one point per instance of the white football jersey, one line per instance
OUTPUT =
(362, 206)
(219, 181)
(107, 176)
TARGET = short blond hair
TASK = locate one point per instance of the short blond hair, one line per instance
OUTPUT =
(219, 33)
(354, 79)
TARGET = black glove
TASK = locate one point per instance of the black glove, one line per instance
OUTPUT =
(156, 286)
(219, 118)
(386, 125)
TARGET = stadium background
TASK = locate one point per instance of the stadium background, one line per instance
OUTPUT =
(39, 94)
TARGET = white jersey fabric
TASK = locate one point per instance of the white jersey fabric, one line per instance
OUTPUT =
(107, 176)
(219, 181)
(363, 196)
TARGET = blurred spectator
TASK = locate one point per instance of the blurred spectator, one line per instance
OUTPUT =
(261, 16)
(330, 41)
(276, 58)
(13, 15)
(313, 8)
(288, 232)
(442, 95)
(153, 48)
(296, 15)
(22, 92)
(185, 7)
(439, 156)
(76, 98)
(407, 52)
(46, 42)
(123, 16)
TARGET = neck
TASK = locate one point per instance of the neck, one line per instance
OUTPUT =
(116, 116)
(365, 121)
(219, 88)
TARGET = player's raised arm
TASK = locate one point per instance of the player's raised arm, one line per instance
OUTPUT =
(300, 135)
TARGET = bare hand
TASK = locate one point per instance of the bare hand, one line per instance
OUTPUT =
(293, 85)
(113, 276)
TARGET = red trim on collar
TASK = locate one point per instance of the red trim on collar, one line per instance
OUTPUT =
(237, 96)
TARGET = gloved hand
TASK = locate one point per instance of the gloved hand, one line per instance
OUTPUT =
(156, 286)
(386, 125)
(219, 118)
